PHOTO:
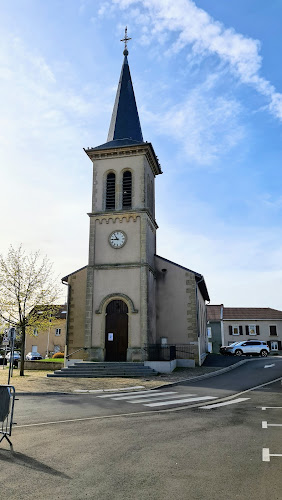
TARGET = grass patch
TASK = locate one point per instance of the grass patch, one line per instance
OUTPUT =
(56, 360)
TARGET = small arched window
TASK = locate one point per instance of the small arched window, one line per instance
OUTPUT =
(111, 192)
(127, 190)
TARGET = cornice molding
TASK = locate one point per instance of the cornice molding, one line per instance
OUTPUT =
(125, 265)
(120, 215)
(143, 149)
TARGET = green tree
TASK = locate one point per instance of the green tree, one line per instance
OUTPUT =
(27, 284)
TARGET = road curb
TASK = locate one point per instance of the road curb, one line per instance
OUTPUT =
(206, 375)
(169, 384)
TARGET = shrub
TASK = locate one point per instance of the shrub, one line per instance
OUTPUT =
(58, 355)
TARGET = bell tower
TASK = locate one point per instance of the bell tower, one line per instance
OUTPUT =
(121, 289)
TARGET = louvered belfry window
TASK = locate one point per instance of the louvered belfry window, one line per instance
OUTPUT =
(111, 192)
(127, 190)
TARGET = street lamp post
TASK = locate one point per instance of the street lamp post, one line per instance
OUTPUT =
(48, 338)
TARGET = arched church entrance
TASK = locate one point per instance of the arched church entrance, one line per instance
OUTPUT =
(116, 332)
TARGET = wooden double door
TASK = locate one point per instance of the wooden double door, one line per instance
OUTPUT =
(116, 331)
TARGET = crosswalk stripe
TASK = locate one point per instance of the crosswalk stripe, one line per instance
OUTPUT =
(216, 405)
(155, 394)
(148, 400)
(187, 400)
(125, 393)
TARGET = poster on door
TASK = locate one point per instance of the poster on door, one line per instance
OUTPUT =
(110, 337)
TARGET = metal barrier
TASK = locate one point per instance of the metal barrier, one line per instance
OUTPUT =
(168, 352)
(7, 402)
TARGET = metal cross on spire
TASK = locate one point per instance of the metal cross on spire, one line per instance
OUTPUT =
(125, 40)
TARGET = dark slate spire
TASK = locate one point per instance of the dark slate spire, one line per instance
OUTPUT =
(125, 122)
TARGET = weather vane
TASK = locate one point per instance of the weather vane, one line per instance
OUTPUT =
(125, 40)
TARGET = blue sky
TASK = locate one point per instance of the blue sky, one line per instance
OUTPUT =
(208, 84)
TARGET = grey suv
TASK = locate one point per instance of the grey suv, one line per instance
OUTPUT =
(247, 347)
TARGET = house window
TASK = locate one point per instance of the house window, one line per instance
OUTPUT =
(127, 190)
(34, 348)
(235, 330)
(209, 332)
(163, 340)
(35, 332)
(274, 346)
(57, 348)
(111, 192)
(252, 329)
(272, 330)
(58, 332)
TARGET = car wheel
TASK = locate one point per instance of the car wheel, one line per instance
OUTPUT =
(238, 352)
(264, 353)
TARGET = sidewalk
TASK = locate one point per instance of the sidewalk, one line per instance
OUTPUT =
(37, 382)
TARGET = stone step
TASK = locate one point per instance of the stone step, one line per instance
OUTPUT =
(109, 369)
(107, 365)
(92, 369)
(108, 374)
(101, 375)
(106, 369)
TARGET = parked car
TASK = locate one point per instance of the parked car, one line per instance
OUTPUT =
(249, 347)
(17, 355)
(33, 356)
(3, 361)
(223, 348)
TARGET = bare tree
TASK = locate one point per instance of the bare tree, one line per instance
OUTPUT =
(26, 283)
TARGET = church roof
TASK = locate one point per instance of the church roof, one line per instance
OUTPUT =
(198, 277)
(125, 123)
(125, 128)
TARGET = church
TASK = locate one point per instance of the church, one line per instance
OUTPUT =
(128, 301)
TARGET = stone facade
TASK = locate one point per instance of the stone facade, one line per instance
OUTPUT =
(130, 277)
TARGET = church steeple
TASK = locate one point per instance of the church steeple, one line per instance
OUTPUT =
(125, 123)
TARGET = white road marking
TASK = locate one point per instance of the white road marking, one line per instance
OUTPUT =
(271, 407)
(125, 388)
(269, 366)
(178, 401)
(265, 425)
(125, 393)
(266, 455)
(148, 400)
(238, 400)
(155, 394)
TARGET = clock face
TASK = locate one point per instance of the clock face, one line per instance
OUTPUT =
(117, 239)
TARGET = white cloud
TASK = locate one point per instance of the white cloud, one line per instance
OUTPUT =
(46, 177)
(206, 125)
(241, 266)
(208, 36)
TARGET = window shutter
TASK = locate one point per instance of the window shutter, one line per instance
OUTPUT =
(247, 329)
(279, 345)
(240, 330)
(127, 190)
(272, 330)
(269, 344)
(111, 191)
(257, 329)
(230, 330)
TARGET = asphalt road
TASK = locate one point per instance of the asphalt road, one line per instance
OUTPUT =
(227, 452)
(39, 409)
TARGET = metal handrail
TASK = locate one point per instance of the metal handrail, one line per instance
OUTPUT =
(81, 349)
